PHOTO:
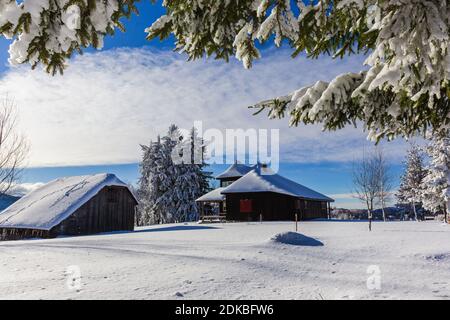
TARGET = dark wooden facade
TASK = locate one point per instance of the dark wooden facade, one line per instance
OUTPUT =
(272, 206)
(111, 209)
(22, 233)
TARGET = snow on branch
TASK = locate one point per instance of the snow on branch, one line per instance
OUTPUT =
(322, 102)
(405, 89)
(49, 31)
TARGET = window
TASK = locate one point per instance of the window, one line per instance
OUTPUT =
(245, 206)
(226, 183)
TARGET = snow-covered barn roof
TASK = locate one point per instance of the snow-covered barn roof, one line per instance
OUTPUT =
(263, 179)
(234, 171)
(215, 195)
(55, 201)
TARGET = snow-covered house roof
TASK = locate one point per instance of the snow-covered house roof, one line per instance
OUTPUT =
(55, 201)
(262, 179)
(234, 171)
(215, 195)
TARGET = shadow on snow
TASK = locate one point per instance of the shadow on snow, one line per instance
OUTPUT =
(175, 228)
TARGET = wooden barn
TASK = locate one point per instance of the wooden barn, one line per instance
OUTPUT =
(71, 206)
(262, 194)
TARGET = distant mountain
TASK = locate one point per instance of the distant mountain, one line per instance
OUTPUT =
(7, 200)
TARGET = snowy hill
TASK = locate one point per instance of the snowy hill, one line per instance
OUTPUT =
(329, 260)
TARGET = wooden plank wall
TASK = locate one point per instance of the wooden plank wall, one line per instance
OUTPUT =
(19, 233)
(112, 209)
(273, 207)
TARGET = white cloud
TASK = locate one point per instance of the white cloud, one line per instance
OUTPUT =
(343, 196)
(109, 102)
(22, 189)
(350, 200)
(348, 205)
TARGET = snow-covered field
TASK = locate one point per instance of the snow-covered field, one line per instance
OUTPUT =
(234, 261)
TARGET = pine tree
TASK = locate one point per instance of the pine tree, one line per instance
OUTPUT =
(405, 90)
(172, 177)
(185, 192)
(142, 193)
(198, 167)
(166, 204)
(411, 184)
(150, 186)
(191, 179)
(198, 155)
(435, 184)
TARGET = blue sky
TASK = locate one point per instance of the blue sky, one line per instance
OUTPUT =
(94, 117)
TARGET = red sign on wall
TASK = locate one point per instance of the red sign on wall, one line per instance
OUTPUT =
(246, 205)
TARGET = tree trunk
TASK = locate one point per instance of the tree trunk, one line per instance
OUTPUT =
(369, 213)
(415, 211)
(445, 213)
(382, 210)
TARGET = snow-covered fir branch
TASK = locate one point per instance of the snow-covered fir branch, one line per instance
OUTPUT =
(404, 90)
(47, 32)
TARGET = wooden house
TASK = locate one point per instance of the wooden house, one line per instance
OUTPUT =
(71, 206)
(233, 173)
(262, 194)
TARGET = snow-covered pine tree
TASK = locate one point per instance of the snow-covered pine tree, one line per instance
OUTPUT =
(198, 155)
(410, 190)
(198, 165)
(141, 191)
(405, 89)
(166, 204)
(150, 187)
(191, 179)
(172, 177)
(436, 181)
(186, 191)
(143, 209)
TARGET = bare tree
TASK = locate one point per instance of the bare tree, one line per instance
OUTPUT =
(13, 146)
(366, 183)
(384, 178)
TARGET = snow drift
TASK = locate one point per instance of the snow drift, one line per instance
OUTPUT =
(296, 239)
